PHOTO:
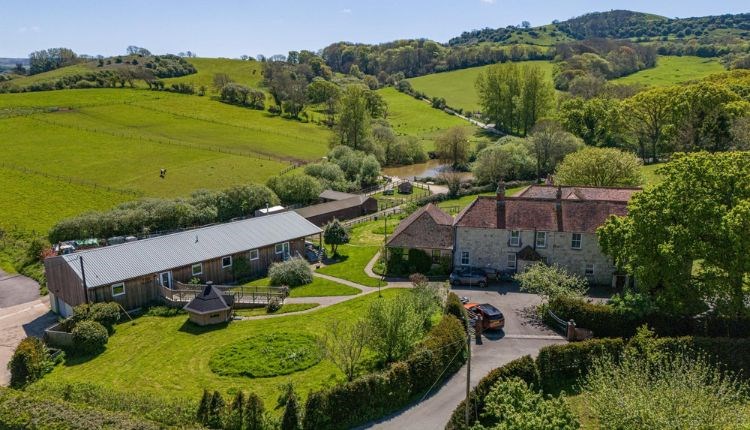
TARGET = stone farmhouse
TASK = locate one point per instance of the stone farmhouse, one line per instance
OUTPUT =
(556, 225)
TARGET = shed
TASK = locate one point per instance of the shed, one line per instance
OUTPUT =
(352, 207)
(334, 196)
(211, 306)
(405, 187)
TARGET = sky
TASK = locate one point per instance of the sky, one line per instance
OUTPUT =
(230, 28)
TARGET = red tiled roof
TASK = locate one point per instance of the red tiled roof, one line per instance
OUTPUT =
(428, 227)
(582, 209)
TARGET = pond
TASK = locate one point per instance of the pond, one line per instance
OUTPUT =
(430, 168)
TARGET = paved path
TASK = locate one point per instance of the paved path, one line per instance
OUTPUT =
(17, 322)
(16, 289)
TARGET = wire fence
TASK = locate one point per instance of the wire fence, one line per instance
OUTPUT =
(71, 180)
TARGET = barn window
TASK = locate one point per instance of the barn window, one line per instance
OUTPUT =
(118, 289)
(253, 254)
(226, 262)
(197, 269)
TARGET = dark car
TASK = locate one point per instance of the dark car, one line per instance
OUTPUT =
(492, 318)
(468, 276)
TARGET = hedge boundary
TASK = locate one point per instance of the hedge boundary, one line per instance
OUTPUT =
(559, 366)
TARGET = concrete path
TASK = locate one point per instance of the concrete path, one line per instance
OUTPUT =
(18, 322)
(16, 289)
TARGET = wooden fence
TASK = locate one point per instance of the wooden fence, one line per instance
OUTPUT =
(244, 296)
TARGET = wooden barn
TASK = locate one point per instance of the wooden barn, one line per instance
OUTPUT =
(348, 208)
(134, 273)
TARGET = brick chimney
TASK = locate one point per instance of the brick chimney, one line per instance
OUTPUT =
(558, 209)
(500, 203)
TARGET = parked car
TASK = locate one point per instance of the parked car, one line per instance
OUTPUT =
(491, 317)
(468, 276)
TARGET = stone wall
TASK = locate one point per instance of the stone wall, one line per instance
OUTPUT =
(490, 248)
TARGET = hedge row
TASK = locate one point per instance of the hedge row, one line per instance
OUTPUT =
(19, 410)
(606, 321)
(372, 396)
(559, 367)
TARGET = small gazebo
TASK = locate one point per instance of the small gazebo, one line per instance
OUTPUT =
(210, 306)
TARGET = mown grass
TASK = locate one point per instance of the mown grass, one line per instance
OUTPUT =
(168, 356)
(412, 117)
(671, 70)
(243, 72)
(457, 87)
(284, 309)
(318, 288)
(272, 354)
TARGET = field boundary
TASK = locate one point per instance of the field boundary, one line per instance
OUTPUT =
(72, 180)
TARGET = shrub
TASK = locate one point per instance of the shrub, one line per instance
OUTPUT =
(89, 337)
(419, 261)
(454, 307)
(273, 305)
(512, 404)
(30, 361)
(293, 272)
(291, 418)
(335, 234)
(106, 314)
(163, 311)
(673, 391)
(561, 365)
(551, 282)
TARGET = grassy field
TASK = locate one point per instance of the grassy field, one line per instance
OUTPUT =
(168, 356)
(78, 150)
(457, 86)
(243, 72)
(318, 288)
(672, 70)
(409, 116)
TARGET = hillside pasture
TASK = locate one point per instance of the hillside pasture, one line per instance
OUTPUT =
(671, 70)
(243, 72)
(457, 86)
(412, 117)
(119, 139)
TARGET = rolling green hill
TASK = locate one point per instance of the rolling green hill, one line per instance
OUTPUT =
(65, 152)
(409, 116)
(243, 72)
(457, 87)
(672, 70)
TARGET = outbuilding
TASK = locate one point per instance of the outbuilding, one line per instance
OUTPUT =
(210, 306)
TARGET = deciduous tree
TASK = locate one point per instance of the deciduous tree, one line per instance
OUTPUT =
(452, 146)
(599, 167)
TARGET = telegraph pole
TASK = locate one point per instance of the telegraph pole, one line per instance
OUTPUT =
(468, 374)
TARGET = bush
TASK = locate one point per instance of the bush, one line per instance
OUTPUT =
(512, 404)
(561, 365)
(273, 305)
(30, 361)
(292, 273)
(453, 306)
(551, 282)
(372, 396)
(106, 314)
(522, 368)
(419, 261)
(89, 337)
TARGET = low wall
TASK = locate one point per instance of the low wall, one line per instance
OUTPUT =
(56, 336)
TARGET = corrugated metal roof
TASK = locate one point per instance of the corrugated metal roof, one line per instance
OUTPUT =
(116, 263)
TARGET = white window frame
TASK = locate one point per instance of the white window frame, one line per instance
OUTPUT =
(511, 256)
(536, 239)
(465, 254)
(200, 269)
(117, 285)
(282, 245)
(257, 254)
(573, 240)
(586, 271)
(224, 266)
(517, 238)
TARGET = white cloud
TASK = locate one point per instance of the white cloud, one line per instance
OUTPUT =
(346, 11)
(31, 29)
(488, 1)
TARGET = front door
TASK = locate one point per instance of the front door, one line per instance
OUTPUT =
(166, 279)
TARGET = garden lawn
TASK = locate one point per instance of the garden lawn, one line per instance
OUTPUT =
(412, 117)
(397, 198)
(284, 309)
(672, 70)
(457, 87)
(318, 288)
(366, 239)
(168, 356)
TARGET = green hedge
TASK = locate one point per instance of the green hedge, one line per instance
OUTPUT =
(605, 321)
(375, 395)
(523, 368)
(89, 337)
(559, 367)
(20, 410)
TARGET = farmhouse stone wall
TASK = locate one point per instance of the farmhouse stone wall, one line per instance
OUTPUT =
(489, 247)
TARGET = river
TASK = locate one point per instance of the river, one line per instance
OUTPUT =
(431, 168)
